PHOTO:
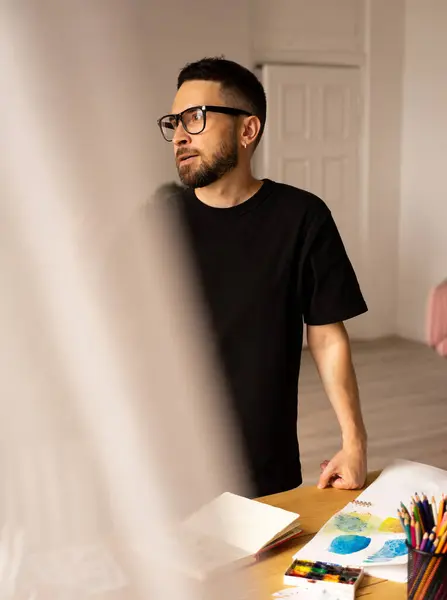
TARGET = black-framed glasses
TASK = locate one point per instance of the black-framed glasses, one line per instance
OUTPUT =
(193, 119)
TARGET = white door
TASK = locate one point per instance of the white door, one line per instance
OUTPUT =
(312, 140)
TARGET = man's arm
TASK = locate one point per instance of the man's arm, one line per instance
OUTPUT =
(330, 349)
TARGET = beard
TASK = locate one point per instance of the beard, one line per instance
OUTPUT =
(222, 162)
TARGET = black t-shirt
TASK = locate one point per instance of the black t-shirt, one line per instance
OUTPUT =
(265, 266)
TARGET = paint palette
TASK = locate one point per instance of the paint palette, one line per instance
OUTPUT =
(341, 582)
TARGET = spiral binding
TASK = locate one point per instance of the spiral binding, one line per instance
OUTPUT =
(362, 503)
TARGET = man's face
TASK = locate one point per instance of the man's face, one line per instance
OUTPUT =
(204, 158)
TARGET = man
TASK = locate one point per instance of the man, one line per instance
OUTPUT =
(269, 257)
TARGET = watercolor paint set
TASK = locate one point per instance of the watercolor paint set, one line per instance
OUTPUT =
(340, 581)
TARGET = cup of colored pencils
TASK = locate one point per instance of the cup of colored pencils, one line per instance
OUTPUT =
(425, 526)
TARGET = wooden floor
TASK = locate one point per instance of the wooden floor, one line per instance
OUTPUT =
(403, 387)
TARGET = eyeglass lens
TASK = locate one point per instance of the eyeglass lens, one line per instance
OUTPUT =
(193, 121)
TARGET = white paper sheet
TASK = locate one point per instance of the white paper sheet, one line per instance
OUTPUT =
(367, 532)
(396, 573)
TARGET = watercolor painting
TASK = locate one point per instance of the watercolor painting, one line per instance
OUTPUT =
(362, 522)
(390, 525)
(389, 551)
(349, 544)
(359, 537)
(353, 522)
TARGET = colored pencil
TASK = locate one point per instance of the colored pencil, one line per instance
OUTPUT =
(413, 532)
(418, 535)
(434, 510)
(424, 541)
(443, 527)
(421, 511)
(431, 540)
(440, 513)
(440, 589)
(405, 512)
(428, 511)
(407, 530)
(417, 515)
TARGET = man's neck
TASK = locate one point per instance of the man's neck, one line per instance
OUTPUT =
(229, 191)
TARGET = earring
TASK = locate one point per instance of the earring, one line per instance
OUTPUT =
(244, 143)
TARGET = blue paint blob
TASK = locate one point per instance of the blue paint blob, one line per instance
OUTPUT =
(350, 523)
(348, 544)
(391, 549)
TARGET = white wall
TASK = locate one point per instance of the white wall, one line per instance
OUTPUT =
(384, 46)
(312, 31)
(423, 222)
(182, 32)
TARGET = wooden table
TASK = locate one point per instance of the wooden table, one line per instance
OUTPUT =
(315, 508)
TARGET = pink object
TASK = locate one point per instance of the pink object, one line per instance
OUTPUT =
(442, 348)
(437, 319)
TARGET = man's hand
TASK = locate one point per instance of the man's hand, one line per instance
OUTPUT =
(346, 470)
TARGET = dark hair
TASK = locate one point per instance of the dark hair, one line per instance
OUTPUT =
(239, 85)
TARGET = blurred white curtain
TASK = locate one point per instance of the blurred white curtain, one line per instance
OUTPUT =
(111, 420)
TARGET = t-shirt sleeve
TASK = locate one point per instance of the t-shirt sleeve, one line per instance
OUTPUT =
(330, 291)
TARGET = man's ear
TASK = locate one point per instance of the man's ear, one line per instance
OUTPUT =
(250, 131)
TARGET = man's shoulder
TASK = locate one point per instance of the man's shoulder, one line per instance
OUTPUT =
(299, 202)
